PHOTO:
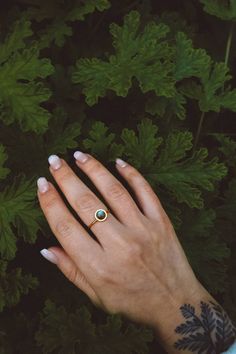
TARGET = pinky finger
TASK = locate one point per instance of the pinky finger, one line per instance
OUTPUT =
(67, 266)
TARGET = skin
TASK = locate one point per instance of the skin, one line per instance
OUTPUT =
(137, 266)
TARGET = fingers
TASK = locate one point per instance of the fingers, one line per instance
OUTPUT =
(72, 236)
(81, 198)
(119, 199)
(70, 270)
(148, 200)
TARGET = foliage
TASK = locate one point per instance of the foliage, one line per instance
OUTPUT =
(134, 80)
(75, 333)
(226, 10)
(20, 91)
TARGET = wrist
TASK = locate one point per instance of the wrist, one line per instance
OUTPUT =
(170, 316)
(196, 324)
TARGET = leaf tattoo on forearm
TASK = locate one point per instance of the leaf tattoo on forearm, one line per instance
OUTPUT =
(210, 333)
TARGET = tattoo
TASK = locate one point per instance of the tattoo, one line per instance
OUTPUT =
(210, 333)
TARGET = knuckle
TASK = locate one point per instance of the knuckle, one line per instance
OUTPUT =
(86, 202)
(63, 228)
(116, 191)
(145, 186)
(65, 175)
(94, 167)
(132, 175)
(72, 274)
(50, 202)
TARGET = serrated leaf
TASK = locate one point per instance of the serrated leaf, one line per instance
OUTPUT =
(226, 10)
(186, 178)
(210, 94)
(13, 285)
(15, 40)
(75, 332)
(189, 61)
(61, 135)
(171, 106)
(60, 14)
(141, 149)
(101, 143)
(143, 55)
(228, 148)
(21, 94)
(17, 209)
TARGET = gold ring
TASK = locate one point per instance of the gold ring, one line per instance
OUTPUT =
(100, 215)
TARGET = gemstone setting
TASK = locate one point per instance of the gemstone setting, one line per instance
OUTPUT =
(100, 215)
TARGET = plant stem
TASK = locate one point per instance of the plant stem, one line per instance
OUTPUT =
(229, 43)
(198, 131)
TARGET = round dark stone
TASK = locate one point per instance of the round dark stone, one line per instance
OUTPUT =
(100, 214)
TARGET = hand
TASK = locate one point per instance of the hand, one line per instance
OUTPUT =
(138, 267)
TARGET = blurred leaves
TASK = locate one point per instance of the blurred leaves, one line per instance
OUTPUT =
(75, 333)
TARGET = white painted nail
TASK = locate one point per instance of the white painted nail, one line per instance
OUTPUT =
(54, 161)
(121, 163)
(50, 256)
(80, 156)
(43, 184)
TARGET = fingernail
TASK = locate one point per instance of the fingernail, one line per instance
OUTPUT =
(50, 256)
(80, 156)
(54, 161)
(43, 184)
(121, 163)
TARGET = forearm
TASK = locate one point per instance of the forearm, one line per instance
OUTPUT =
(195, 325)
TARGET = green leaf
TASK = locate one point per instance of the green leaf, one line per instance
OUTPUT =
(79, 12)
(189, 61)
(63, 331)
(60, 14)
(185, 179)
(132, 340)
(204, 248)
(56, 33)
(75, 333)
(228, 148)
(17, 209)
(142, 149)
(176, 146)
(3, 157)
(211, 94)
(61, 134)
(101, 143)
(170, 106)
(13, 284)
(21, 94)
(144, 55)
(226, 10)
(15, 40)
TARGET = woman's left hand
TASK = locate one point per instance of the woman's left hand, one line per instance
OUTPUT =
(138, 267)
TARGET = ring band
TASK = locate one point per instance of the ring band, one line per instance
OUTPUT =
(100, 215)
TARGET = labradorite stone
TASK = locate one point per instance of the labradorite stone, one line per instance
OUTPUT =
(101, 214)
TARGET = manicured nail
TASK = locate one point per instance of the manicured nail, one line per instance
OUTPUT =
(50, 256)
(54, 161)
(80, 156)
(121, 163)
(43, 185)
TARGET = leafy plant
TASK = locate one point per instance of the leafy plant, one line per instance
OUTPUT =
(133, 80)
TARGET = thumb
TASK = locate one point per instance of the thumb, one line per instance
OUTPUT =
(58, 256)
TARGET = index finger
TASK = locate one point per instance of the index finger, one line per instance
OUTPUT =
(79, 245)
